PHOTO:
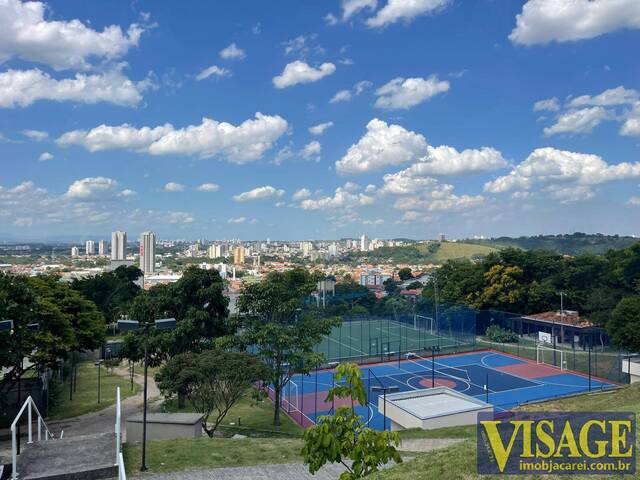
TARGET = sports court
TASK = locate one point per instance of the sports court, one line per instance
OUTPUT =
(503, 380)
(361, 339)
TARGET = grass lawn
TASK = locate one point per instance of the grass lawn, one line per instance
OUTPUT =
(453, 250)
(459, 461)
(256, 419)
(205, 452)
(85, 398)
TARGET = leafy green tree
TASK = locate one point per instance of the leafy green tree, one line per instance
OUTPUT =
(344, 436)
(391, 286)
(111, 291)
(272, 322)
(198, 304)
(67, 322)
(624, 325)
(213, 381)
(405, 274)
(350, 298)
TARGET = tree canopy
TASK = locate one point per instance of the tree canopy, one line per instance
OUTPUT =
(273, 323)
(112, 292)
(198, 304)
(212, 380)
(66, 322)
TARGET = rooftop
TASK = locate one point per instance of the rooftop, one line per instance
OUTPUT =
(566, 317)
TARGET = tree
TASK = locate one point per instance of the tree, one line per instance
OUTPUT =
(111, 291)
(391, 286)
(343, 436)
(272, 322)
(66, 322)
(213, 381)
(198, 304)
(624, 325)
(405, 274)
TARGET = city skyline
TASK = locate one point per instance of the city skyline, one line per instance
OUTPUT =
(473, 118)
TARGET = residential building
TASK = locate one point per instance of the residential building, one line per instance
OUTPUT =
(148, 252)
(103, 247)
(118, 245)
(238, 255)
(89, 247)
(75, 252)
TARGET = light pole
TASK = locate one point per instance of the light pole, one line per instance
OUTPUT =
(130, 325)
(384, 390)
(434, 349)
(97, 364)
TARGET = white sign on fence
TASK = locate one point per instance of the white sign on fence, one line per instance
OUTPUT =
(544, 337)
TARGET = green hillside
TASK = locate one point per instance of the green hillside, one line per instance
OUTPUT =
(569, 244)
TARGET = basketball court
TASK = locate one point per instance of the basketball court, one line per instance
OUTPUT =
(502, 380)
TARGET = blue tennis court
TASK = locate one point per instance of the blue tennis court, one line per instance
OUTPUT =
(503, 380)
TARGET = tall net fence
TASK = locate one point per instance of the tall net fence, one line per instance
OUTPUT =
(378, 337)
(418, 326)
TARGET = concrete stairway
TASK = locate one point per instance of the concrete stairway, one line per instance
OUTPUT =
(85, 457)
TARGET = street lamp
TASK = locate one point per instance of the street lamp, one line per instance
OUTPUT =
(384, 390)
(97, 364)
(130, 325)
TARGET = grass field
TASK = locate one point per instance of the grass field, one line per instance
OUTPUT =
(200, 453)
(256, 419)
(454, 250)
(85, 398)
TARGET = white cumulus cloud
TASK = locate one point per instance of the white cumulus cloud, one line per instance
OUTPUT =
(298, 72)
(208, 187)
(21, 88)
(302, 194)
(320, 128)
(232, 52)
(243, 143)
(26, 34)
(583, 120)
(401, 93)
(312, 151)
(45, 157)
(545, 21)
(92, 188)
(343, 197)
(213, 70)
(383, 145)
(405, 10)
(174, 187)
(35, 135)
(259, 193)
(548, 104)
(550, 165)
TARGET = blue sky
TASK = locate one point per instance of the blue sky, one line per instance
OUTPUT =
(469, 118)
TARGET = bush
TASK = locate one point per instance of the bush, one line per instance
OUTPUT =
(496, 333)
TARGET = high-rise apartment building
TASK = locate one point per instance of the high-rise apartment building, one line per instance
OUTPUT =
(89, 247)
(148, 252)
(103, 247)
(75, 251)
(217, 251)
(364, 243)
(118, 245)
(238, 255)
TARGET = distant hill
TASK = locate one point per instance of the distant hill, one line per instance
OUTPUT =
(568, 244)
(423, 252)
